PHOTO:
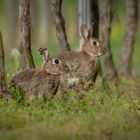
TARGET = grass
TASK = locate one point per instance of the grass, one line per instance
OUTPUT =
(107, 112)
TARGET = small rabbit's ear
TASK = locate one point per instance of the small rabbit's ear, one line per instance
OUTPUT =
(44, 52)
(85, 32)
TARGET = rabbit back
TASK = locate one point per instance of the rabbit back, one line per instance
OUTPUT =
(36, 83)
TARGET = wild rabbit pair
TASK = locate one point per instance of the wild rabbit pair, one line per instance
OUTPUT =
(68, 70)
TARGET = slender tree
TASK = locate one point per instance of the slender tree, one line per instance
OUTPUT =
(60, 25)
(94, 22)
(105, 8)
(94, 17)
(131, 10)
(3, 85)
(25, 35)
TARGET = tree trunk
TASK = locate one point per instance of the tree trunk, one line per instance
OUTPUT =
(25, 35)
(105, 28)
(12, 22)
(94, 17)
(60, 25)
(131, 9)
(94, 21)
(3, 85)
(84, 12)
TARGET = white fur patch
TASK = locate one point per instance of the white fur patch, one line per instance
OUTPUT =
(99, 54)
(95, 55)
(72, 81)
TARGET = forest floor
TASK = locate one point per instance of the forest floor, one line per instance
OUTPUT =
(107, 112)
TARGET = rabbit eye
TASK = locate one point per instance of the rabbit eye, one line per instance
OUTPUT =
(94, 43)
(56, 61)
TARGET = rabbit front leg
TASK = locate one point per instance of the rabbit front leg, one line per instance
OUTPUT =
(89, 84)
(79, 90)
(63, 89)
(32, 96)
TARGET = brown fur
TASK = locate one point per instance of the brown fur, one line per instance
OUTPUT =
(83, 65)
(42, 82)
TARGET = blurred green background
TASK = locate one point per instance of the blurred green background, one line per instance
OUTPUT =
(43, 31)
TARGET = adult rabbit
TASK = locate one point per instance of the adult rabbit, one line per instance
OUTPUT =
(83, 65)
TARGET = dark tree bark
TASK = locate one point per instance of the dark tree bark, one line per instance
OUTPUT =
(94, 17)
(105, 28)
(12, 22)
(25, 35)
(60, 25)
(131, 9)
(3, 85)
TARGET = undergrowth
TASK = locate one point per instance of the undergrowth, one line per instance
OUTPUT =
(108, 112)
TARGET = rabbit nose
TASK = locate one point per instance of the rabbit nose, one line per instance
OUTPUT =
(67, 69)
(103, 50)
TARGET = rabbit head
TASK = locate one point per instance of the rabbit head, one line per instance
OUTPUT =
(91, 45)
(52, 64)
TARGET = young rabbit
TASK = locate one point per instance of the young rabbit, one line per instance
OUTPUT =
(83, 65)
(43, 82)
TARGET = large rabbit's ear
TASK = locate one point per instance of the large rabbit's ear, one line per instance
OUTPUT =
(85, 32)
(45, 53)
